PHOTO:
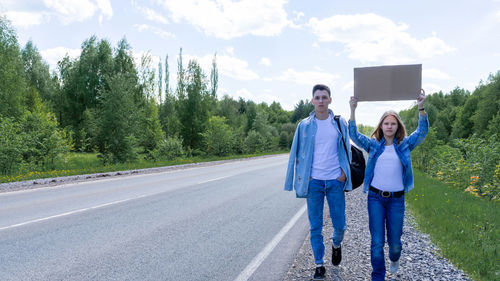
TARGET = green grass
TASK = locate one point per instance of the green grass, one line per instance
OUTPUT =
(464, 227)
(89, 163)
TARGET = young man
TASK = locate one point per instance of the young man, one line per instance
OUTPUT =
(321, 167)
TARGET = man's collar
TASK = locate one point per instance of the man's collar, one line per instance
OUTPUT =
(313, 113)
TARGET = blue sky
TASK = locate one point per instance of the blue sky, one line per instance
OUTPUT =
(276, 50)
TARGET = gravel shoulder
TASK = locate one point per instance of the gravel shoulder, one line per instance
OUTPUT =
(420, 259)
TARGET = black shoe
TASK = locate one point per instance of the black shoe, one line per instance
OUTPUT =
(336, 255)
(319, 273)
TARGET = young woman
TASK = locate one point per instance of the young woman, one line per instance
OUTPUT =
(388, 176)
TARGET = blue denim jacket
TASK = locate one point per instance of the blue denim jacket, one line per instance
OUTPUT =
(403, 149)
(301, 155)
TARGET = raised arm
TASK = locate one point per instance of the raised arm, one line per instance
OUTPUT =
(353, 102)
(358, 138)
(420, 101)
(418, 136)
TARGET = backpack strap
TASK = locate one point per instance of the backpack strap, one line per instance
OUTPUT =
(337, 117)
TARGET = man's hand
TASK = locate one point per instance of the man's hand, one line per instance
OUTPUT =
(342, 177)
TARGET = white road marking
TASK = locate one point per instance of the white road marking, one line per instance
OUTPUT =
(91, 208)
(72, 212)
(213, 180)
(257, 261)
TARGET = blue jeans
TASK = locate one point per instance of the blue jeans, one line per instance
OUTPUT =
(385, 214)
(334, 192)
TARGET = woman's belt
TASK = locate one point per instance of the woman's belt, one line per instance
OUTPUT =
(387, 194)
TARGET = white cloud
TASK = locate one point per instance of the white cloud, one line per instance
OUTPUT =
(431, 88)
(221, 92)
(470, 86)
(265, 61)
(267, 98)
(154, 16)
(297, 22)
(307, 77)
(150, 14)
(233, 67)
(226, 19)
(54, 55)
(434, 73)
(298, 15)
(69, 11)
(257, 98)
(106, 9)
(349, 86)
(230, 51)
(227, 64)
(156, 30)
(245, 94)
(29, 13)
(372, 38)
(8, 2)
(25, 19)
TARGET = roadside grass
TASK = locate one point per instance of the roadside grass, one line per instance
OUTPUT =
(89, 163)
(464, 227)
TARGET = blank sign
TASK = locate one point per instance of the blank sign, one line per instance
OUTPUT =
(388, 82)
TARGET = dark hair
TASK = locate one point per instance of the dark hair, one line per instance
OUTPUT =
(321, 87)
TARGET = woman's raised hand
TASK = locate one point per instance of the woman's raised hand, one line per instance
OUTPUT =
(353, 102)
(421, 98)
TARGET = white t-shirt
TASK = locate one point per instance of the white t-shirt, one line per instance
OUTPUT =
(388, 174)
(325, 164)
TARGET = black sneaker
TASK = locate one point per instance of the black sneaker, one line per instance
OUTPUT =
(336, 255)
(319, 273)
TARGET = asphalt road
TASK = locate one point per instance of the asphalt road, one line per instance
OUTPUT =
(218, 222)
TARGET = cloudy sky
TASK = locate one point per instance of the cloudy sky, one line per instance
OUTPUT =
(276, 50)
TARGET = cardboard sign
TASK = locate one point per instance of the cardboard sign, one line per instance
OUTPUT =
(388, 83)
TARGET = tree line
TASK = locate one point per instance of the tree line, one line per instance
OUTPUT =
(102, 101)
(463, 144)
(105, 102)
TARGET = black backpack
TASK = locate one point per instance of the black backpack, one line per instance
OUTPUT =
(358, 161)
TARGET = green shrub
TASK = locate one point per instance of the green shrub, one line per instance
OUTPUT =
(43, 141)
(218, 137)
(168, 149)
(467, 164)
(11, 145)
(284, 140)
(254, 142)
(286, 135)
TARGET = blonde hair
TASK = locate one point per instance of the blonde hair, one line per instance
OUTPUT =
(400, 133)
